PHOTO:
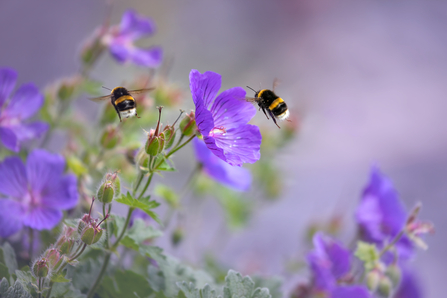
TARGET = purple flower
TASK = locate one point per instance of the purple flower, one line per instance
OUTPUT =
(25, 102)
(408, 287)
(381, 215)
(330, 263)
(35, 193)
(120, 40)
(234, 177)
(222, 120)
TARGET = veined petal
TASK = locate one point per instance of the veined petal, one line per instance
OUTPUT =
(9, 139)
(13, 181)
(134, 25)
(211, 144)
(42, 218)
(43, 169)
(147, 57)
(29, 131)
(204, 119)
(11, 217)
(25, 102)
(204, 87)
(241, 144)
(234, 177)
(8, 78)
(230, 109)
(351, 292)
(61, 194)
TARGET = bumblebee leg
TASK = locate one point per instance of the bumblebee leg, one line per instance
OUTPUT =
(265, 113)
(118, 112)
(273, 118)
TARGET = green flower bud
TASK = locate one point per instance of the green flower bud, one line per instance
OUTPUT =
(155, 143)
(169, 136)
(110, 137)
(91, 235)
(177, 236)
(188, 124)
(106, 192)
(385, 286)
(372, 280)
(66, 246)
(53, 256)
(394, 273)
(40, 268)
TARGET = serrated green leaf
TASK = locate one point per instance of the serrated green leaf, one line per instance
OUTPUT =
(167, 194)
(59, 278)
(18, 290)
(368, 254)
(142, 205)
(273, 284)
(239, 287)
(27, 280)
(4, 272)
(8, 257)
(190, 291)
(4, 286)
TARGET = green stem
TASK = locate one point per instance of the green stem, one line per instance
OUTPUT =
(106, 223)
(40, 287)
(180, 147)
(146, 185)
(76, 256)
(392, 243)
(139, 179)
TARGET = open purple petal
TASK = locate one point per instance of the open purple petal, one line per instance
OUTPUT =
(211, 144)
(231, 110)
(43, 169)
(8, 78)
(134, 25)
(204, 87)
(29, 131)
(9, 139)
(25, 102)
(61, 194)
(241, 144)
(11, 215)
(13, 181)
(339, 256)
(204, 119)
(120, 52)
(350, 292)
(408, 287)
(42, 218)
(233, 177)
(323, 279)
(147, 57)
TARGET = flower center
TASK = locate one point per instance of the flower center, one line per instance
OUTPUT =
(217, 131)
(31, 199)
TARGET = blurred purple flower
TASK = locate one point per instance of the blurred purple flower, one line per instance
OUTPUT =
(408, 287)
(35, 193)
(330, 263)
(234, 177)
(381, 215)
(120, 40)
(25, 102)
(137, 213)
(222, 120)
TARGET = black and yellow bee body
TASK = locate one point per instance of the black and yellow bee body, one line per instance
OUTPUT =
(271, 103)
(123, 101)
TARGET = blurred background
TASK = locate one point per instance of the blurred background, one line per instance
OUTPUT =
(365, 82)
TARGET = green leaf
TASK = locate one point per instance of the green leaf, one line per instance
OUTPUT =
(368, 254)
(238, 287)
(4, 273)
(65, 290)
(139, 233)
(164, 166)
(76, 165)
(124, 284)
(190, 291)
(18, 290)
(8, 257)
(4, 286)
(59, 277)
(27, 280)
(73, 223)
(142, 205)
(167, 194)
(273, 284)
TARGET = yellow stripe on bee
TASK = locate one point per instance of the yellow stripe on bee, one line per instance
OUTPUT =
(275, 103)
(260, 92)
(123, 98)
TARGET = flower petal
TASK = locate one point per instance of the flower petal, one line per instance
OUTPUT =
(8, 78)
(321, 272)
(339, 256)
(351, 292)
(120, 52)
(134, 25)
(204, 87)
(233, 177)
(204, 119)
(61, 194)
(9, 139)
(11, 217)
(29, 131)
(13, 181)
(230, 109)
(409, 286)
(25, 102)
(147, 57)
(41, 218)
(43, 169)
(241, 144)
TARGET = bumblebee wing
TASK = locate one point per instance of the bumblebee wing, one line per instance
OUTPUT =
(251, 99)
(139, 91)
(101, 98)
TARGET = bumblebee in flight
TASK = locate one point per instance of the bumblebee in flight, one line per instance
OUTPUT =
(268, 101)
(123, 102)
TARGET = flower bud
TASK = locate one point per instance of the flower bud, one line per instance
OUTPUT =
(177, 236)
(394, 273)
(169, 135)
(372, 280)
(142, 159)
(385, 286)
(89, 230)
(92, 49)
(154, 144)
(91, 235)
(188, 124)
(110, 188)
(110, 137)
(40, 268)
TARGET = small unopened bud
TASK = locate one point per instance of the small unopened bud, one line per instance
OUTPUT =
(110, 137)
(155, 142)
(91, 49)
(188, 124)
(372, 280)
(40, 268)
(385, 286)
(110, 188)
(394, 273)
(65, 91)
(169, 136)
(91, 235)
(177, 236)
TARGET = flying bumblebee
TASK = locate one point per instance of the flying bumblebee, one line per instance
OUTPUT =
(268, 101)
(122, 100)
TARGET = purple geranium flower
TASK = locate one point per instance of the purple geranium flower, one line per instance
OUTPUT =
(330, 263)
(35, 193)
(222, 120)
(120, 40)
(234, 177)
(25, 102)
(381, 215)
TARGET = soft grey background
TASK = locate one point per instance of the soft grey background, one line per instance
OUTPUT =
(367, 77)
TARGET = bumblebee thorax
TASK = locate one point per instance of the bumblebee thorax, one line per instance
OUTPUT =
(119, 91)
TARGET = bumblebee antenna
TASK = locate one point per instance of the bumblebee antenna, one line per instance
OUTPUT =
(251, 89)
(106, 88)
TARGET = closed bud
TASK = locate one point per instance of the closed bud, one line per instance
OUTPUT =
(65, 91)
(142, 159)
(106, 192)
(110, 137)
(177, 236)
(92, 49)
(385, 287)
(53, 256)
(40, 268)
(394, 273)
(91, 235)
(154, 144)
(372, 280)
(188, 124)
(169, 136)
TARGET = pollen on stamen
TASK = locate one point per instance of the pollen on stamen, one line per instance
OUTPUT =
(219, 130)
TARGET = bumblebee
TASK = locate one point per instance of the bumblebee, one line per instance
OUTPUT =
(270, 103)
(123, 102)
